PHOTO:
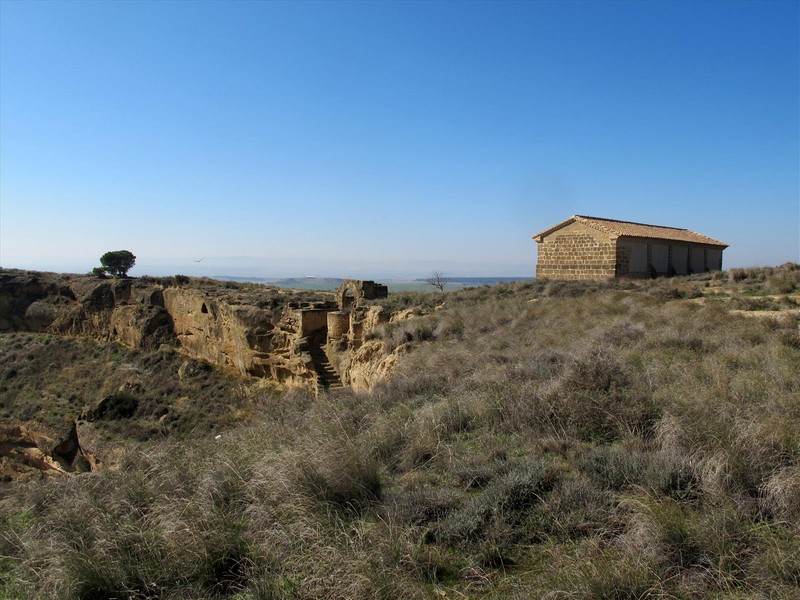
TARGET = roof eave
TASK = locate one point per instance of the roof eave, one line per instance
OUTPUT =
(539, 237)
(708, 242)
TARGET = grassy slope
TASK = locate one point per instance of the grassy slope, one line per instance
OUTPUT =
(577, 440)
(47, 381)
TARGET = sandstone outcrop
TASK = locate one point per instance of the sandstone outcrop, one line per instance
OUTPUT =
(239, 337)
(306, 344)
(139, 314)
(129, 312)
(370, 364)
(24, 453)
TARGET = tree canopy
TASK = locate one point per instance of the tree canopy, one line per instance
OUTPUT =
(118, 262)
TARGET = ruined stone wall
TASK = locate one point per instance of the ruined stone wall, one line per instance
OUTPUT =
(338, 324)
(313, 320)
(353, 291)
(577, 252)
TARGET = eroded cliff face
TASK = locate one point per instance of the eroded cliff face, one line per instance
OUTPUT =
(25, 454)
(107, 310)
(238, 337)
(371, 364)
(250, 338)
(360, 360)
(241, 337)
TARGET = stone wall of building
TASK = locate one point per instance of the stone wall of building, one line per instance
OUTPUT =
(642, 258)
(714, 259)
(632, 258)
(577, 252)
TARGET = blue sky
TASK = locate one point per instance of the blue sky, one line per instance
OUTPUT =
(391, 136)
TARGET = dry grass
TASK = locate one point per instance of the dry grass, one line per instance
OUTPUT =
(47, 381)
(545, 439)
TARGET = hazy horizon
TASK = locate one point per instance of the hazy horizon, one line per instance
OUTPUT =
(282, 267)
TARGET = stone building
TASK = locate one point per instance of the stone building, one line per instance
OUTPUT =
(593, 248)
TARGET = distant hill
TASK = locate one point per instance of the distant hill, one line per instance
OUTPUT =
(299, 283)
(306, 280)
(479, 280)
(395, 285)
(243, 279)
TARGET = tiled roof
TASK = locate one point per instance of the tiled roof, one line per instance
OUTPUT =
(630, 229)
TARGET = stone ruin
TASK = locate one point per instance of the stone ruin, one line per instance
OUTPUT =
(353, 291)
(312, 317)
(329, 336)
(309, 344)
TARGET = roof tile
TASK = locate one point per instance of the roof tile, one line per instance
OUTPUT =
(631, 229)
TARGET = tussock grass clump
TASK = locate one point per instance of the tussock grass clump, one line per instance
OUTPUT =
(344, 477)
(496, 509)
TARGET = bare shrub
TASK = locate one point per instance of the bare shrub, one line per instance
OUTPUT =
(437, 280)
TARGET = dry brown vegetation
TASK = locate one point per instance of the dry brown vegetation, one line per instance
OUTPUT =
(544, 439)
(47, 381)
